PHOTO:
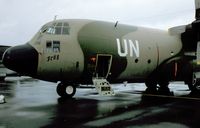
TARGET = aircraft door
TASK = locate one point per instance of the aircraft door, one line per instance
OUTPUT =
(103, 65)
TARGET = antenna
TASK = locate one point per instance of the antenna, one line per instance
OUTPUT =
(116, 24)
(55, 17)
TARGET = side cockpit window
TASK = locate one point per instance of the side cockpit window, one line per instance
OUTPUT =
(60, 28)
(53, 46)
(56, 46)
(49, 46)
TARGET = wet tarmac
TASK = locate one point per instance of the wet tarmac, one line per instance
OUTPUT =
(32, 103)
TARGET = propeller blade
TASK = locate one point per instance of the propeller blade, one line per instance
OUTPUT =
(197, 6)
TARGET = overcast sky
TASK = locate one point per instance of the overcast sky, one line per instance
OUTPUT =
(21, 19)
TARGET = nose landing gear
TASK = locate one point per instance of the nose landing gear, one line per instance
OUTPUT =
(66, 91)
(195, 84)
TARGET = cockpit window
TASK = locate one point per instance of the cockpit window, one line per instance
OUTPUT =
(56, 46)
(44, 29)
(53, 46)
(59, 24)
(59, 28)
(65, 28)
(51, 30)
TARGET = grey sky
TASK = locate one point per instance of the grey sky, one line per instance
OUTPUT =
(21, 19)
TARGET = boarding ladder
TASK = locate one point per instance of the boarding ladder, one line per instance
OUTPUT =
(103, 87)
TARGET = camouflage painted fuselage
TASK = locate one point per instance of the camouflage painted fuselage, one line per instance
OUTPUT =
(134, 52)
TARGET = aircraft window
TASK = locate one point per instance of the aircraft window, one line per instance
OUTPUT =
(58, 30)
(51, 30)
(43, 29)
(56, 46)
(66, 24)
(65, 30)
(59, 24)
(53, 46)
(49, 46)
(54, 24)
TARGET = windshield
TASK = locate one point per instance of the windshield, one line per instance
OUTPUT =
(58, 28)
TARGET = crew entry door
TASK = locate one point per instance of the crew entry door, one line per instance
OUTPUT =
(103, 65)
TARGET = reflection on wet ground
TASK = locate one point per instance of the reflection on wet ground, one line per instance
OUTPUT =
(33, 103)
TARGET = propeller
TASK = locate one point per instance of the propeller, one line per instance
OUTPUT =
(196, 28)
(197, 6)
(190, 34)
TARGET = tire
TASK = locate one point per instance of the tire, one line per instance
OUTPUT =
(165, 91)
(191, 84)
(150, 91)
(66, 91)
(195, 85)
(151, 83)
(2, 79)
(164, 84)
(60, 89)
(191, 87)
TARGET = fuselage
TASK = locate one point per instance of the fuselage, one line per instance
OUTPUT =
(78, 50)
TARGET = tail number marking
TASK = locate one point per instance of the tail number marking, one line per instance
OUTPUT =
(52, 58)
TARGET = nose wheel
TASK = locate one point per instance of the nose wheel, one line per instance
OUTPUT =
(66, 91)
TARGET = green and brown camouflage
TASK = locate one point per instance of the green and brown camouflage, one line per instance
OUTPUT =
(144, 50)
(75, 51)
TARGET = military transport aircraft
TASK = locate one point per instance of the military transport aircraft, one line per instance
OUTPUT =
(73, 52)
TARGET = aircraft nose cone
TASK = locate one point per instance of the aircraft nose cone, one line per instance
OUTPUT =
(22, 59)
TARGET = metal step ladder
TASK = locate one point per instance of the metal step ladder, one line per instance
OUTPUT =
(103, 87)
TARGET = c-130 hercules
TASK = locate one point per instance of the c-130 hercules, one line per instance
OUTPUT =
(74, 52)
